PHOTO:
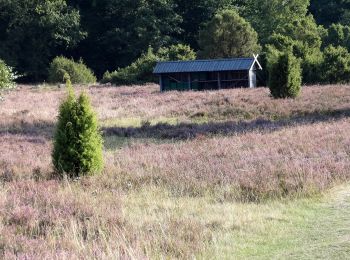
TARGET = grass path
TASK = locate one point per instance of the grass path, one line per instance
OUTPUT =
(311, 228)
(308, 230)
(327, 236)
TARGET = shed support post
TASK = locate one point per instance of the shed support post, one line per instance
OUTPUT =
(189, 81)
(219, 80)
(252, 79)
(161, 83)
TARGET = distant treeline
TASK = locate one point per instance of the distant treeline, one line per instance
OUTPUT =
(111, 34)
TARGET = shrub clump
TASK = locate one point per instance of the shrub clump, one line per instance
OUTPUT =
(7, 76)
(336, 65)
(77, 142)
(78, 72)
(141, 71)
(285, 76)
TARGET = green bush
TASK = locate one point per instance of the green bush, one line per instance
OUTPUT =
(336, 65)
(284, 76)
(176, 52)
(141, 71)
(78, 72)
(337, 35)
(77, 142)
(7, 76)
(311, 69)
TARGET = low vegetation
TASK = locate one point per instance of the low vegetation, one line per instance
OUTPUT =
(336, 65)
(141, 71)
(182, 171)
(77, 72)
(7, 76)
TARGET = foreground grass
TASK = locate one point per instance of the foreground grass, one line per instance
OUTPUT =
(69, 221)
(313, 228)
(325, 235)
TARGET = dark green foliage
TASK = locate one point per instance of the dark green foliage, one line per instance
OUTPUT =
(7, 76)
(303, 38)
(337, 35)
(327, 12)
(284, 76)
(272, 16)
(196, 13)
(311, 69)
(77, 143)
(138, 72)
(141, 71)
(33, 32)
(176, 52)
(120, 31)
(110, 34)
(336, 65)
(77, 71)
(228, 35)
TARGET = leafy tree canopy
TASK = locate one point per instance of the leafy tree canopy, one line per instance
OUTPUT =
(112, 34)
(121, 30)
(328, 12)
(338, 35)
(268, 17)
(32, 32)
(228, 35)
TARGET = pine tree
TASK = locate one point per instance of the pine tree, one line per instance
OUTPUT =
(77, 142)
(285, 76)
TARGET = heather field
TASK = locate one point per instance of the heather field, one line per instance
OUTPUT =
(214, 175)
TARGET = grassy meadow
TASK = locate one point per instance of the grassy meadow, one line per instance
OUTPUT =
(230, 174)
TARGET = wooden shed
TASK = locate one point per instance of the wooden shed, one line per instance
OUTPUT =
(208, 74)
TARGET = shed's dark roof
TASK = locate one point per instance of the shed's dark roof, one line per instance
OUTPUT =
(204, 65)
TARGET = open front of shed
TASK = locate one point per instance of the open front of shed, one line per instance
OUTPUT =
(208, 74)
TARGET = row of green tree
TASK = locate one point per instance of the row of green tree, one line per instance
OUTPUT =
(112, 34)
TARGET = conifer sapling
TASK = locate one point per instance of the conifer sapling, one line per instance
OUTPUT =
(78, 142)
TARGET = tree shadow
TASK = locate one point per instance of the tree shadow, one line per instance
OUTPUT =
(185, 131)
(164, 132)
(37, 129)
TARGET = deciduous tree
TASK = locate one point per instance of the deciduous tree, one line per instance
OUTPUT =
(33, 32)
(228, 35)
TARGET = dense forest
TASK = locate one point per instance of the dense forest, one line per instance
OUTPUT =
(111, 34)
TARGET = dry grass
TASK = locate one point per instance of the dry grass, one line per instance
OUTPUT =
(161, 150)
(35, 105)
(288, 162)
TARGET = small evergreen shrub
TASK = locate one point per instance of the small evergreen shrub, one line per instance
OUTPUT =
(284, 76)
(78, 72)
(7, 76)
(141, 71)
(77, 142)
